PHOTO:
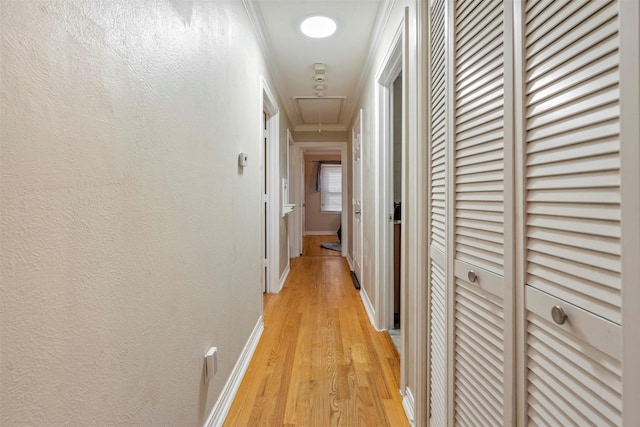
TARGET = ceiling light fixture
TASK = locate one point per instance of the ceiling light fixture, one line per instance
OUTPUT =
(318, 27)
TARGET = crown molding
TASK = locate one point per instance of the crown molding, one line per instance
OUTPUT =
(259, 27)
(382, 18)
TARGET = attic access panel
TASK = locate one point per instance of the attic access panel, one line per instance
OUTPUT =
(312, 110)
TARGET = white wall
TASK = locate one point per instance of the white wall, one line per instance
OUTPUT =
(129, 234)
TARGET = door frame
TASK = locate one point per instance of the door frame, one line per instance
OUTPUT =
(392, 66)
(298, 157)
(357, 129)
(295, 217)
(272, 164)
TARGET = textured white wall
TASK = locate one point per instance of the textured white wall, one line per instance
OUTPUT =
(129, 236)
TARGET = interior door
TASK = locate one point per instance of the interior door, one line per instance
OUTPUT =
(477, 203)
(357, 197)
(573, 294)
(437, 225)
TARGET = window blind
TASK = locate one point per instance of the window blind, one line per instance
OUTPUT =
(331, 188)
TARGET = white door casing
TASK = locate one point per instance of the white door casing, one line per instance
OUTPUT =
(272, 177)
(356, 133)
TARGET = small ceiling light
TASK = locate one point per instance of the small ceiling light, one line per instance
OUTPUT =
(318, 27)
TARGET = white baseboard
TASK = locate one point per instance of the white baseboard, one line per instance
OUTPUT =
(371, 312)
(284, 276)
(320, 233)
(223, 404)
(408, 404)
(350, 261)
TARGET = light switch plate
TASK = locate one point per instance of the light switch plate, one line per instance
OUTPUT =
(210, 363)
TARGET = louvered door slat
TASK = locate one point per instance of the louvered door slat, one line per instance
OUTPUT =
(437, 226)
(573, 130)
(438, 346)
(478, 201)
(572, 194)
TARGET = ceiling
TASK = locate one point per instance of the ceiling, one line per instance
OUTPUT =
(291, 56)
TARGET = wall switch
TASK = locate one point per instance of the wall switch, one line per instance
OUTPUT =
(243, 159)
(210, 363)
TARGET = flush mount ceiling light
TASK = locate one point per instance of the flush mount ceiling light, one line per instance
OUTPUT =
(318, 27)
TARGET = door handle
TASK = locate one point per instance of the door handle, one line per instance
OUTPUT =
(558, 315)
(357, 211)
(472, 276)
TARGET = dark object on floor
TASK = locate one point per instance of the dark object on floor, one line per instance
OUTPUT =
(356, 282)
(334, 246)
(340, 233)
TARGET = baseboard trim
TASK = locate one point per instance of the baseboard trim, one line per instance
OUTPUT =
(350, 261)
(408, 404)
(320, 233)
(284, 276)
(223, 404)
(368, 307)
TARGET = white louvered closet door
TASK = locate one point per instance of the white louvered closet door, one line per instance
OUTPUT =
(438, 319)
(572, 213)
(477, 171)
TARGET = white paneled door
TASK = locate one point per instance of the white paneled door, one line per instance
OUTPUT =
(526, 277)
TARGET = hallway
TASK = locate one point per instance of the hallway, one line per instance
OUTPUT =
(319, 361)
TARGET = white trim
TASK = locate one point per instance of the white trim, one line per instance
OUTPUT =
(221, 408)
(368, 307)
(283, 277)
(270, 106)
(390, 67)
(630, 206)
(264, 41)
(408, 404)
(376, 36)
(320, 233)
(294, 228)
(349, 261)
(420, 164)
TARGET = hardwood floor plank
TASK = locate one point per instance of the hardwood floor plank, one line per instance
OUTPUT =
(319, 361)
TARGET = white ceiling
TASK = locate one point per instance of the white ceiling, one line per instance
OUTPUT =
(291, 56)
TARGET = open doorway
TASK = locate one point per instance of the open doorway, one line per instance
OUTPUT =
(269, 132)
(321, 198)
(396, 177)
(390, 158)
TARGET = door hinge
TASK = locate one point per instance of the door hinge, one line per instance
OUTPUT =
(265, 263)
(265, 198)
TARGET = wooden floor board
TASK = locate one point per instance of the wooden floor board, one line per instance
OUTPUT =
(319, 361)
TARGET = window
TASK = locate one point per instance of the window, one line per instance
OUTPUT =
(330, 188)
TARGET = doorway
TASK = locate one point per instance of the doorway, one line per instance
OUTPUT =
(396, 185)
(390, 162)
(301, 193)
(269, 131)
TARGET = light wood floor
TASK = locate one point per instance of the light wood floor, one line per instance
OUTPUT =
(319, 361)
(311, 246)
